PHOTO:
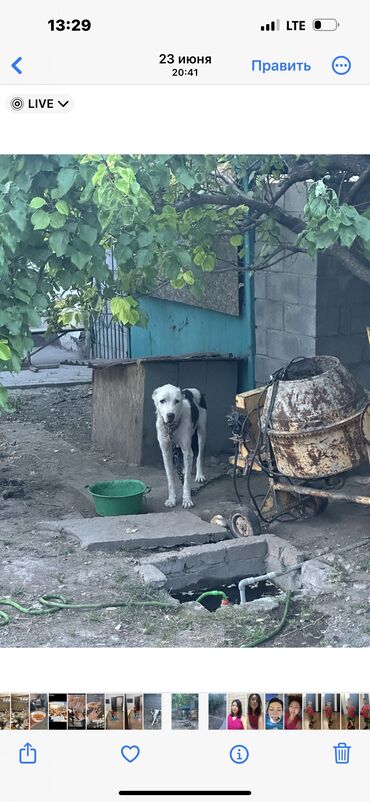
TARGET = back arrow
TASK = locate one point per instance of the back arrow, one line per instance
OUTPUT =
(15, 67)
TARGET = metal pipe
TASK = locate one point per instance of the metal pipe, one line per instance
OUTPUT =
(313, 491)
(253, 580)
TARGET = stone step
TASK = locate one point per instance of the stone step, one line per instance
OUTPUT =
(153, 530)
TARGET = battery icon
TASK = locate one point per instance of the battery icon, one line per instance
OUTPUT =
(325, 24)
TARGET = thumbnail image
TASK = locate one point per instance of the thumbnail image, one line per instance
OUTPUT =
(255, 712)
(312, 711)
(244, 277)
(152, 711)
(217, 715)
(39, 711)
(114, 711)
(5, 711)
(274, 716)
(95, 707)
(20, 711)
(293, 711)
(365, 711)
(133, 711)
(236, 711)
(76, 711)
(185, 715)
(350, 711)
(58, 711)
(331, 711)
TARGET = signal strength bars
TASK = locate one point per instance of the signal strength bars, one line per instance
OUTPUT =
(274, 25)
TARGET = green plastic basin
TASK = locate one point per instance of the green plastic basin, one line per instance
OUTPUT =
(118, 497)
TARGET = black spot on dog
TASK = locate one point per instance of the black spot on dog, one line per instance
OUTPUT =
(195, 444)
(193, 407)
(202, 402)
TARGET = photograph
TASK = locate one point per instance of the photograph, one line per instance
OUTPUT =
(4, 711)
(76, 711)
(152, 711)
(312, 711)
(217, 711)
(39, 711)
(293, 711)
(364, 711)
(58, 711)
(114, 711)
(255, 712)
(236, 711)
(185, 715)
(95, 711)
(133, 711)
(274, 716)
(331, 719)
(20, 711)
(185, 339)
(350, 711)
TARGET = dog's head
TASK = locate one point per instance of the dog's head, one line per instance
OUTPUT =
(168, 403)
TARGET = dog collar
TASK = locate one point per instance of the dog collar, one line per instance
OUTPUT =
(171, 427)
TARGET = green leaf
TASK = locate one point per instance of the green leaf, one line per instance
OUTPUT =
(37, 203)
(145, 238)
(40, 220)
(57, 220)
(4, 399)
(88, 234)
(236, 240)
(59, 242)
(185, 177)
(5, 352)
(124, 310)
(347, 235)
(65, 179)
(188, 277)
(62, 207)
(209, 263)
(80, 259)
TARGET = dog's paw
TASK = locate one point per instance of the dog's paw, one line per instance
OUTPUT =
(171, 502)
(200, 478)
(187, 503)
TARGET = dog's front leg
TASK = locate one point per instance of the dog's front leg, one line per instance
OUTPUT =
(188, 464)
(166, 448)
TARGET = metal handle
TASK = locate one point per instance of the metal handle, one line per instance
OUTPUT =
(147, 490)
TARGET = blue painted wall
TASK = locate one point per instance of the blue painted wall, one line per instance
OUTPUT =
(176, 328)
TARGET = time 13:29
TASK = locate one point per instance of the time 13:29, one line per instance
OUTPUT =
(69, 25)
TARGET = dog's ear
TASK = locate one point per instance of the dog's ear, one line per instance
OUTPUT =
(154, 394)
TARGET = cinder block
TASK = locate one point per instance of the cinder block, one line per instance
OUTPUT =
(245, 550)
(300, 319)
(307, 290)
(306, 345)
(199, 556)
(360, 318)
(260, 284)
(348, 349)
(152, 576)
(264, 367)
(269, 314)
(282, 345)
(261, 340)
(283, 287)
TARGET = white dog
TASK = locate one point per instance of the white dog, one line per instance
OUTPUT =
(181, 421)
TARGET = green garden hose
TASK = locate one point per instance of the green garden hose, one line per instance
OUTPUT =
(212, 593)
(274, 632)
(51, 604)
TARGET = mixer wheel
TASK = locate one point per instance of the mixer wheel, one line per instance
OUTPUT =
(244, 522)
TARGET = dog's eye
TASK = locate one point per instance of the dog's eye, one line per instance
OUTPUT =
(162, 401)
(177, 401)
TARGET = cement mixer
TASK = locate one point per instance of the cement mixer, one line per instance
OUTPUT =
(306, 431)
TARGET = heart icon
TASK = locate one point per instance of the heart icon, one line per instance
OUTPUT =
(130, 753)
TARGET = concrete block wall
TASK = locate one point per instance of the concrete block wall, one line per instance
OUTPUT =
(285, 305)
(306, 307)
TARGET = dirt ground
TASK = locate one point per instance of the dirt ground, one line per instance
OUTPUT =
(46, 460)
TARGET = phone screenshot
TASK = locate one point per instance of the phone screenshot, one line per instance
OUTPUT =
(184, 401)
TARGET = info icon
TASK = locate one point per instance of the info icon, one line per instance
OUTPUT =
(239, 754)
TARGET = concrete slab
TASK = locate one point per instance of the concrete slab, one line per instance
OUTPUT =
(146, 531)
(48, 377)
